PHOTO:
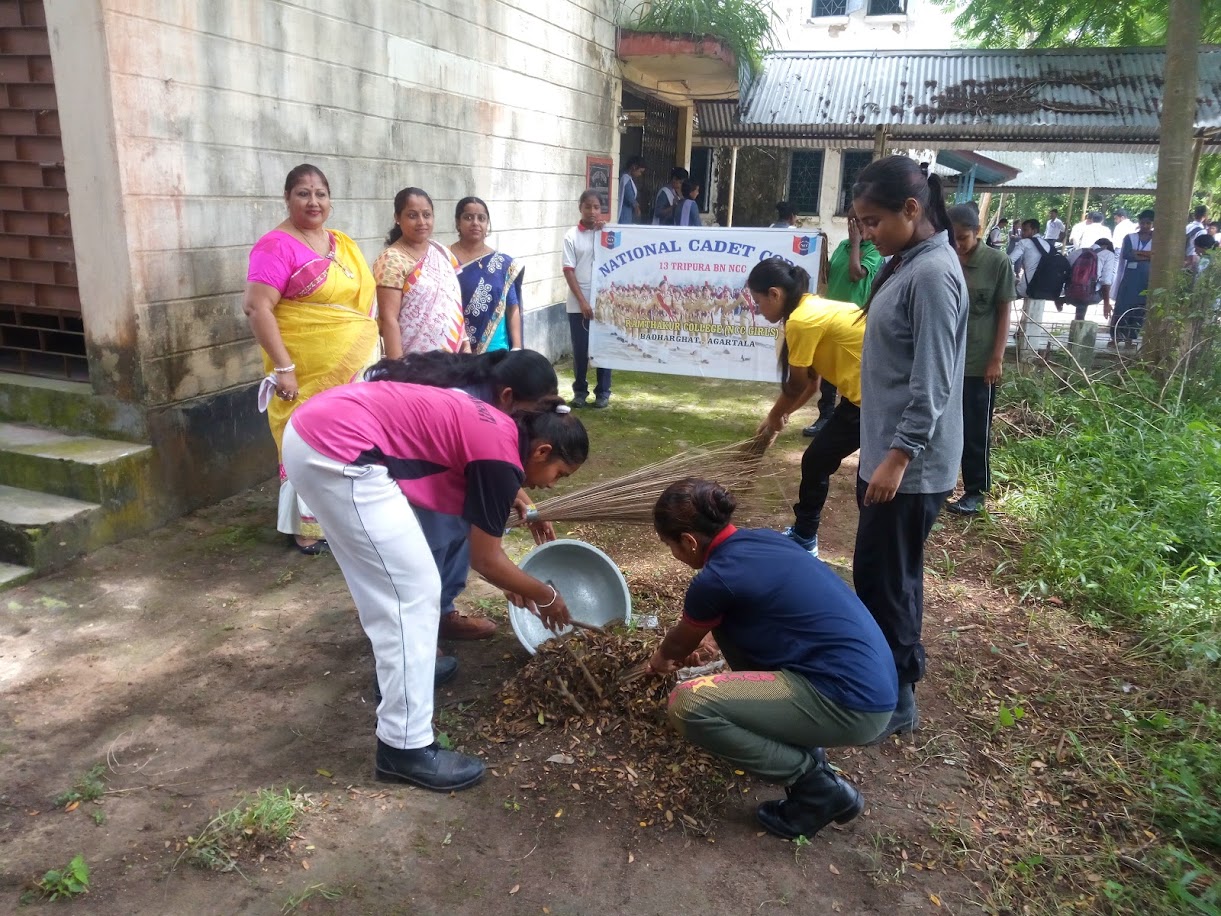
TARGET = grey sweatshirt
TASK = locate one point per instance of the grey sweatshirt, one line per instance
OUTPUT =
(912, 365)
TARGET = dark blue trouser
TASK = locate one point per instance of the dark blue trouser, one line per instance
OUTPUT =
(578, 327)
(448, 538)
(888, 570)
(826, 398)
(978, 399)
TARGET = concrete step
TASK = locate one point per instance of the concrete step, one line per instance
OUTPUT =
(68, 406)
(12, 575)
(44, 531)
(103, 471)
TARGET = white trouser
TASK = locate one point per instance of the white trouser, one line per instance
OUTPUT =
(391, 574)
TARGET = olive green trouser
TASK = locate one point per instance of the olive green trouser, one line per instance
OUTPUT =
(767, 722)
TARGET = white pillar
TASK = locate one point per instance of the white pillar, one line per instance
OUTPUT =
(733, 180)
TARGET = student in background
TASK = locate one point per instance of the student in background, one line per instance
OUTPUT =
(629, 196)
(786, 216)
(667, 196)
(578, 265)
(1055, 227)
(687, 212)
(991, 293)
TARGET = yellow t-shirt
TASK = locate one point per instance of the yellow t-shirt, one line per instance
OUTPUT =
(828, 335)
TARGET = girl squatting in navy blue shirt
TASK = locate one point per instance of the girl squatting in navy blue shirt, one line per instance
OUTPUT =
(811, 669)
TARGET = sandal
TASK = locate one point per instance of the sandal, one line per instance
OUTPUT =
(316, 549)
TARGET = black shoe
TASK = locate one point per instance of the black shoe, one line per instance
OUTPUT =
(580, 402)
(906, 717)
(447, 667)
(813, 801)
(317, 549)
(816, 427)
(429, 767)
(602, 402)
(967, 504)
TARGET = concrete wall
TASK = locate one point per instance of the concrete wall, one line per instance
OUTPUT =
(181, 121)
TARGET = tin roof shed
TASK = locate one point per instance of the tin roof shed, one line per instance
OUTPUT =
(1082, 99)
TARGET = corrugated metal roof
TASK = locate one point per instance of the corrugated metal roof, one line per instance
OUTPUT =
(1102, 171)
(1010, 99)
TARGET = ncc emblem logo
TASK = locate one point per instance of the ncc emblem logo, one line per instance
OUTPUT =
(611, 239)
(802, 244)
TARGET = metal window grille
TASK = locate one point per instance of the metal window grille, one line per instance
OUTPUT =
(829, 8)
(850, 169)
(805, 180)
(887, 8)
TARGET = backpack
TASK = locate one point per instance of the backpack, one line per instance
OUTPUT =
(1050, 276)
(1082, 287)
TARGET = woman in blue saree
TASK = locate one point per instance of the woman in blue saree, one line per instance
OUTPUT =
(490, 280)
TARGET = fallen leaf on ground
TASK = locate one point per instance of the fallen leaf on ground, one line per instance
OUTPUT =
(514, 889)
(327, 773)
(561, 758)
(834, 870)
(73, 806)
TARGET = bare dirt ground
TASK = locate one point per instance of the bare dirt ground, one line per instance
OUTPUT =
(206, 661)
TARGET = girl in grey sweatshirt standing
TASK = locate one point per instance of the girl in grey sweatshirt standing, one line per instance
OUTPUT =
(911, 404)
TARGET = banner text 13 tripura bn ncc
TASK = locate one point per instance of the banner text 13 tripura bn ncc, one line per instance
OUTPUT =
(674, 300)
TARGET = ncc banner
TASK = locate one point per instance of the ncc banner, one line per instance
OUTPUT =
(674, 300)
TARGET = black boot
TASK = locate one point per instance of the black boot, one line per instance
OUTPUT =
(813, 801)
(906, 717)
(430, 767)
(447, 667)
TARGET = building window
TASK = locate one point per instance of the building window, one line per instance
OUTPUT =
(805, 180)
(824, 8)
(887, 8)
(851, 166)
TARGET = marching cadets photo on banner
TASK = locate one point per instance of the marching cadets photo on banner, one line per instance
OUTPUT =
(674, 300)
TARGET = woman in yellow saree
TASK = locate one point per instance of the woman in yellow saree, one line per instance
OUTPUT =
(309, 299)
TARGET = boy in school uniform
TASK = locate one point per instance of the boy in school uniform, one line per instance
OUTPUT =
(578, 263)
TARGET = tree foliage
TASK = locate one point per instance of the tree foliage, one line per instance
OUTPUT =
(1080, 23)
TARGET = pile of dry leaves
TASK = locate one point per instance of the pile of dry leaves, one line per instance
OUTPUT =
(591, 688)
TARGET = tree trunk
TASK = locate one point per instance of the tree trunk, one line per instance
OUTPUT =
(1174, 167)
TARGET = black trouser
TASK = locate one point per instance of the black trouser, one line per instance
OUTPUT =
(826, 399)
(839, 438)
(578, 326)
(888, 570)
(978, 400)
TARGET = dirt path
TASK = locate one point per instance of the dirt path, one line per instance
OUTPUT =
(207, 661)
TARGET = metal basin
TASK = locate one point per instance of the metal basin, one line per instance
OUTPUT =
(590, 582)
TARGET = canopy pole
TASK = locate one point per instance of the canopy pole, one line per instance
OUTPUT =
(733, 183)
(985, 204)
(1085, 206)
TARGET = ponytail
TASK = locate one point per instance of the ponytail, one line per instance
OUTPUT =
(552, 423)
(939, 216)
(777, 273)
(528, 374)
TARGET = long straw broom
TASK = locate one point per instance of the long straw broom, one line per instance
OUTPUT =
(630, 498)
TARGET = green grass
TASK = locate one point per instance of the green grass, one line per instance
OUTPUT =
(1116, 505)
(262, 823)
